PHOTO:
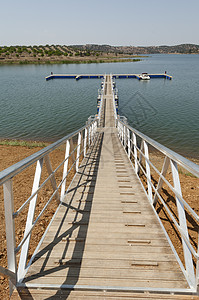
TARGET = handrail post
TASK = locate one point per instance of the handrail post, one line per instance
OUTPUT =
(161, 181)
(140, 156)
(122, 134)
(10, 230)
(89, 135)
(129, 143)
(78, 150)
(92, 131)
(30, 220)
(72, 155)
(94, 127)
(63, 187)
(125, 137)
(146, 152)
(135, 153)
(53, 180)
(119, 129)
(85, 141)
(183, 223)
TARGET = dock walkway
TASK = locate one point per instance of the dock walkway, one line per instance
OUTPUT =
(100, 76)
(105, 237)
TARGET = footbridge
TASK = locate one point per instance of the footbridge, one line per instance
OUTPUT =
(106, 239)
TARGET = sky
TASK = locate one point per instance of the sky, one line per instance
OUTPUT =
(113, 22)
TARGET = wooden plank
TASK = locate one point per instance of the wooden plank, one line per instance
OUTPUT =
(166, 257)
(79, 295)
(41, 294)
(127, 248)
(110, 237)
(65, 271)
(110, 242)
(152, 283)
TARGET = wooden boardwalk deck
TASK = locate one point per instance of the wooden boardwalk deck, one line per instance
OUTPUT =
(105, 234)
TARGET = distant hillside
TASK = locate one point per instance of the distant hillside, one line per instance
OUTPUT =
(52, 54)
(89, 53)
(183, 48)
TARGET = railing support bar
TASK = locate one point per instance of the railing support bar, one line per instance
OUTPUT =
(135, 152)
(10, 230)
(125, 137)
(183, 223)
(52, 179)
(129, 142)
(89, 135)
(72, 155)
(92, 132)
(78, 150)
(140, 156)
(63, 187)
(85, 141)
(146, 152)
(29, 221)
(161, 181)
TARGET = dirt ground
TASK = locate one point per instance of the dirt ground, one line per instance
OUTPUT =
(190, 193)
(22, 186)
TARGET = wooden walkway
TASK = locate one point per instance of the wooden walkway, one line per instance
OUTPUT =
(105, 234)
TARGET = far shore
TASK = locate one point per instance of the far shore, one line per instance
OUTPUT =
(27, 59)
(57, 54)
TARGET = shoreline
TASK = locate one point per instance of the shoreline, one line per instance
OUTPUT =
(29, 143)
(46, 61)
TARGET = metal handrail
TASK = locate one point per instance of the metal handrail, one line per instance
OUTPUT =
(46, 180)
(169, 211)
(101, 101)
(196, 216)
(184, 162)
(46, 205)
(130, 145)
(113, 99)
(86, 136)
(15, 169)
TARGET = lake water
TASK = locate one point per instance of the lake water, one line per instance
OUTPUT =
(165, 110)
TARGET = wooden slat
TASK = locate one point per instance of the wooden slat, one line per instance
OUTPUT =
(30, 294)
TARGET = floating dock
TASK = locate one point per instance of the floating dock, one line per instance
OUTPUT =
(99, 76)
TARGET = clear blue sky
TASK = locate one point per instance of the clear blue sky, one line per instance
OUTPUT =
(114, 22)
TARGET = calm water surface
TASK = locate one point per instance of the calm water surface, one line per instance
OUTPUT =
(165, 110)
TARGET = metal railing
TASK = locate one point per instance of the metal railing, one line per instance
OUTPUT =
(138, 154)
(76, 145)
(101, 95)
(138, 146)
